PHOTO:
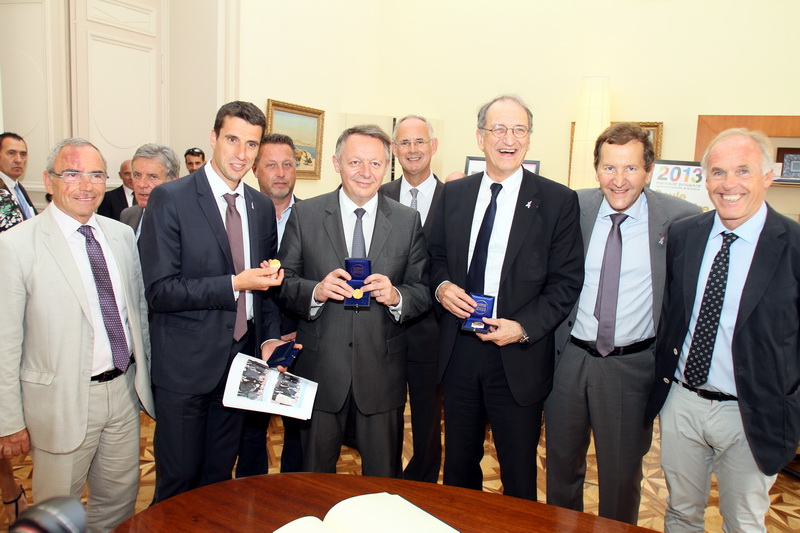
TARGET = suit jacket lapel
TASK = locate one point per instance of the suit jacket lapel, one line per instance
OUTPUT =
(658, 221)
(208, 204)
(589, 209)
(694, 250)
(120, 257)
(333, 225)
(525, 213)
(470, 197)
(765, 261)
(57, 245)
(383, 227)
(253, 228)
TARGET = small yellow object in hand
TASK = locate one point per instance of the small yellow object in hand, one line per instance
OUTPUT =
(358, 294)
(274, 263)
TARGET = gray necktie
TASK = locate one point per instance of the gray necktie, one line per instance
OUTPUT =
(698, 361)
(414, 192)
(120, 353)
(233, 227)
(605, 309)
(359, 247)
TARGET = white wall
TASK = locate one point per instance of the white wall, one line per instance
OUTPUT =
(668, 60)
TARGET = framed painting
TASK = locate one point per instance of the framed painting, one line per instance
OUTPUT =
(305, 126)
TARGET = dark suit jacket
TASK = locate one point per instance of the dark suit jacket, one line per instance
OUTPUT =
(114, 202)
(187, 268)
(766, 339)
(423, 330)
(662, 210)
(541, 276)
(132, 216)
(342, 349)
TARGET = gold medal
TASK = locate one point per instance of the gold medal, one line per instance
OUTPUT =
(358, 294)
(274, 263)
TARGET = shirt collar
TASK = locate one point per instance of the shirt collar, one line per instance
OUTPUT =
(510, 184)
(636, 211)
(10, 183)
(218, 186)
(348, 206)
(426, 187)
(750, 231)
(69, 225)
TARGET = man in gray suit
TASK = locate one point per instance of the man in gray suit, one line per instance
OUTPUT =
(152, 165)
(414, 144)
(74, 344)
(604, 351)
(357, 355)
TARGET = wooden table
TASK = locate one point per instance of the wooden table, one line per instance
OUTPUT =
(264, 503)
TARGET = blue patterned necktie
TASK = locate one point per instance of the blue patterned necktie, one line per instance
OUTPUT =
(22, 202)
(108, 303)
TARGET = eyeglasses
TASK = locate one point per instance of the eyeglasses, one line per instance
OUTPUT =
(76, 177)
(498, 130)
(194, 151)
(417, 143)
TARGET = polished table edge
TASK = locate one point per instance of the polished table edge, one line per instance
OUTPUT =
(238, 502)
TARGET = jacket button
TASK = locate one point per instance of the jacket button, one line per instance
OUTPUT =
(666, 380)
(350, 344)
(675, 351)
(229, 327)
(569, 323)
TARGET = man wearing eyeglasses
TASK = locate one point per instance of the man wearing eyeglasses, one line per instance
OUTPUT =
(74, 343)
(604, 349)
(153, 164)
(194, 159)
(414, 145)
(514, 236)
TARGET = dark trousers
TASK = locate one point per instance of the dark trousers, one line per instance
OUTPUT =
(425, 400)
(253, 460)
(196, 438)
(476, 391)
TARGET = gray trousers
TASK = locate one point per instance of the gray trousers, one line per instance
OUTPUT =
(607, 397)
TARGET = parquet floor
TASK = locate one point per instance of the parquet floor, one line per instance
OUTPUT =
(784, 514)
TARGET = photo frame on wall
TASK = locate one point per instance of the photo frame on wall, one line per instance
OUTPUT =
(305, 126)
(476, 164)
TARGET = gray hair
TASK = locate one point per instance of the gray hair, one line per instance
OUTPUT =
(163, 154)
(76, 142)
(407, 117)
(514, 98)
(761, 140)
(369, 130)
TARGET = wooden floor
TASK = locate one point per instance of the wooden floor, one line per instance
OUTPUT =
(784, 515)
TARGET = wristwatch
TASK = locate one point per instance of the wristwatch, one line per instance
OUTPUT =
(524, 339)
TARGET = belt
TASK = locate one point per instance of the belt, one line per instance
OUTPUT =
(707, 394)
(591, 348)
(108, 375)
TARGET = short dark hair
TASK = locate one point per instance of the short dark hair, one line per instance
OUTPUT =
(10, 135)
(243, 110)
(195, 151)
(275, 138)
(623, 133)
(369, 130)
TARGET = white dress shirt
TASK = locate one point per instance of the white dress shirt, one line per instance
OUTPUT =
(498, 242)
(720, 375)
(11, 185)
(635, 301)
(219, 189)
(284, 217)
(102, 360)
(424, 196)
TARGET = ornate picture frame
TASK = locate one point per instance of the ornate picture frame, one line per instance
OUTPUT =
(305, 126)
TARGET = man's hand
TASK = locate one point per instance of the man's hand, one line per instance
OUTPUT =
(380, 287)
(15, 444)
(333, 287)
(501, 331)
(258, 279)
(268, 347)
(454, 299)
(289, 336)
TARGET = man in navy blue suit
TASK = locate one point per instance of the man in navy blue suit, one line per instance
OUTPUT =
(204, 240)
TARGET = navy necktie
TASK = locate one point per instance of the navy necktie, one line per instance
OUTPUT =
(108, 303)
(477, 268)
(698, 361)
